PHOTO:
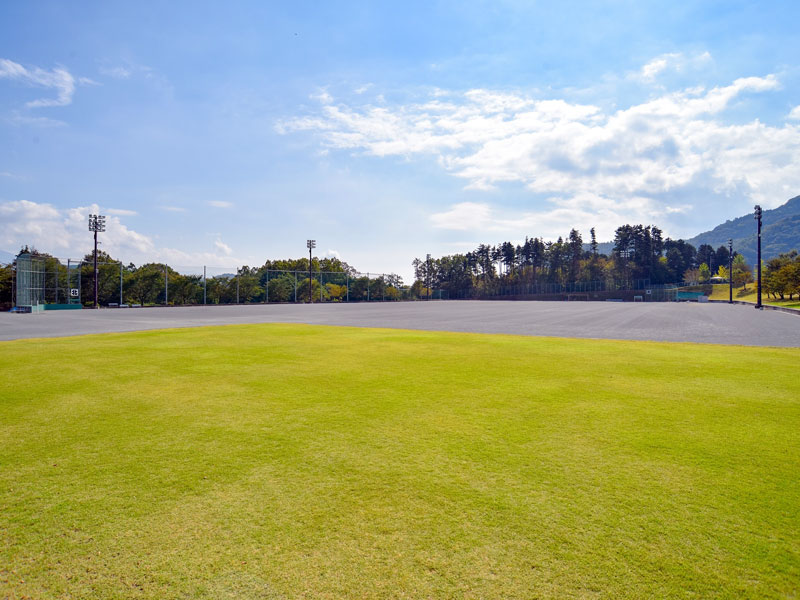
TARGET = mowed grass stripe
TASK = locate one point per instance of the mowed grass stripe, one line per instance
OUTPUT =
(270, 461)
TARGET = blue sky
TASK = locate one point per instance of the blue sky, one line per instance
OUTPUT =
(225, 134)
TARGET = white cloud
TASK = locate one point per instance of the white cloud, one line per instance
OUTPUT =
(582, 212)
(172, 208)
(126, 70)
(672, 61)
(117, 72)
(223, 247)
(464, 216)
(590, 163)
(63, 233)
(323, 96)
(17, 118)
(333, 254)
(58, 79)
(121, 212)
(794, 114)
(220, 203)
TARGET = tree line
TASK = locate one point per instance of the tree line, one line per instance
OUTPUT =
(286, 280)
(640, 253)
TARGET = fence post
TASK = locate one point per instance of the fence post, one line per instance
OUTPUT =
(367, 287)
(204, 285)
(347, 284)
(266, 287)
(166, 285)
(237, 286)
(120, 283)
(295, 287)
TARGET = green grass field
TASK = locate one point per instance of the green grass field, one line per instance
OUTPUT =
(750, 294)
(290, 461)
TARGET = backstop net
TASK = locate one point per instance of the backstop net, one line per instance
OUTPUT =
(30, 284)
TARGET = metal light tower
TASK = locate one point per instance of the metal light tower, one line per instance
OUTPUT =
(730, 271)
(758, 218)
(97, 223)
(428, 274)
(310, 244)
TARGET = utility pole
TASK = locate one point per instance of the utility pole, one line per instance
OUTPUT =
(311, 244)
(97, 223)
(730, 271)
(758, 218)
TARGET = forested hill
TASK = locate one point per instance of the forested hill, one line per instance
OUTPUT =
(780, 232)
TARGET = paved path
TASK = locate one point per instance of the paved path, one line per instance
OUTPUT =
(675, 322)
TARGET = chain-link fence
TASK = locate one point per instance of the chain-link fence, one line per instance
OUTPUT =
(610, 289)
(57, 282)
(67, 283)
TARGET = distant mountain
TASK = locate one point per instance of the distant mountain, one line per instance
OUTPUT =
(780, 232)
(602, 247)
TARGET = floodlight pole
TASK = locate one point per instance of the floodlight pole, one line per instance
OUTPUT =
(428, 274)
(758, 218)
(95, 269)
(310, 244)
(730, 271)
(97, 223)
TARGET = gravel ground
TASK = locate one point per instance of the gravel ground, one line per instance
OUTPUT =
(673, 322)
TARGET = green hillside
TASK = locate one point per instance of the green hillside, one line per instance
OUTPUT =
(780, 232)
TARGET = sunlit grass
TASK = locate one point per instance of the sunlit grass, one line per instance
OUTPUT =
(750, 294)
(289, 461)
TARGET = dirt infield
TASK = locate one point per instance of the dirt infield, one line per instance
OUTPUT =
(676, 322)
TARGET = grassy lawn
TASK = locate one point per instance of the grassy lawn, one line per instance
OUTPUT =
(721, 292)
(290, 461)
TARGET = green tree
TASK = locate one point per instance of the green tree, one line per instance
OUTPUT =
(108, 275)
(6, 275)
(706, 254)
(704, 272)
(742, 273)
(186, 289)
(145, 285)
(782, 275)
(281, 288)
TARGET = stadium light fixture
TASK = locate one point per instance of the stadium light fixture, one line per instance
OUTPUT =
(310, 244)
(97, 224)
(758, 219)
